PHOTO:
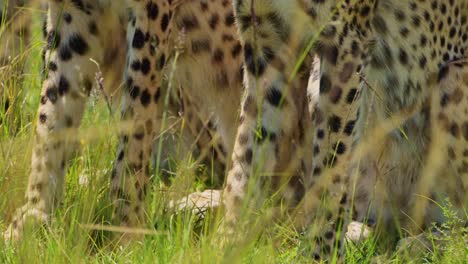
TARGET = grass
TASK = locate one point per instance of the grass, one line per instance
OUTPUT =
(174, 238)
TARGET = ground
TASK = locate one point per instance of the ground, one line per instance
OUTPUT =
(74, 235)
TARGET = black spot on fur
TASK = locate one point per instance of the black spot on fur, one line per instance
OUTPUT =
(138, 39)
(334, 122)
(78, 44)
(152, 10)
(274, 96)
(63, 86)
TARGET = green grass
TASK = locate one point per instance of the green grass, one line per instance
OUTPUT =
(176, 239)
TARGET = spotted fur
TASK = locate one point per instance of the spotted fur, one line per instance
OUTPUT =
(400, 52)
(188, 49)
(380, 60)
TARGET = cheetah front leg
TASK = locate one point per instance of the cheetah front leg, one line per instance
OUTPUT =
(265, 134)
(142, 107)
(329, 186)
(274, 109)
(69, 75)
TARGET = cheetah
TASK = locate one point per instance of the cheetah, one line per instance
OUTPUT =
(192, 46)
(386, 69)
(183, 54)
(353, 39)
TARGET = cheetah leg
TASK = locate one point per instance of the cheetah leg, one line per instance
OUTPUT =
(334, 119)
(258, 146)
(68, 81)
(361, 226)
(142, 106)
(272, 109)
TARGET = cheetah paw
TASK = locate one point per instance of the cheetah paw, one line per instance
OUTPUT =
(357, 232)
(10, 235)
(14, 231)
(198, 202)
